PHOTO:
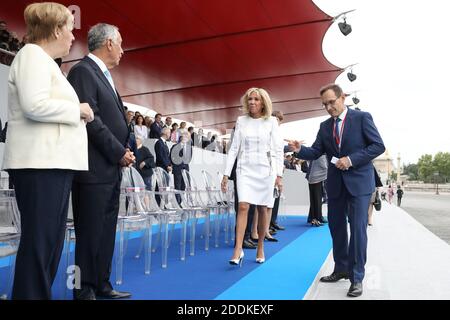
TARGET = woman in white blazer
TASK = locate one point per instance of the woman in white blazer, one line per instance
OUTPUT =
(256, 145)
(46, 143)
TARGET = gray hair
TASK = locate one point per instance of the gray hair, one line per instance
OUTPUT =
(165, 130)
(100, 33)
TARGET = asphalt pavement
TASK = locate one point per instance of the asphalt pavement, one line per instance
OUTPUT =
(431, 210)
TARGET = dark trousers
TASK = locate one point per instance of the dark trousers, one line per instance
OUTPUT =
(349, 257)
(276, 206)
(95, 211)
(148, 182)
(315, 201)
(178, 183)
(43, 199)
(399, 201)
(250, 215)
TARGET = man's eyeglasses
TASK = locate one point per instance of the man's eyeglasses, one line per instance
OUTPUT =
(329, 103)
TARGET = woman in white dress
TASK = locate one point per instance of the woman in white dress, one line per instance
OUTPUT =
(268, 236)
(140, 129)
(256, 145)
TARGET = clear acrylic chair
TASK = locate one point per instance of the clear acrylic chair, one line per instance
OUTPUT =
(136, 214)
(197, 210)
(9, 236)
(171, 213)
(229, 200)
(68, 240)
(217, 204)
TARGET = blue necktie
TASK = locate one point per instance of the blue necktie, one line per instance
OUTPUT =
(110, 80)
(337, 131)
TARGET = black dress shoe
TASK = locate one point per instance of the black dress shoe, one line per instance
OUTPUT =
(276, 226)
(323, 220)
(271, 239)
(248, 244)
(356, 289)
(272, 231)
(84, 294)
(335, 277)
(113, 294)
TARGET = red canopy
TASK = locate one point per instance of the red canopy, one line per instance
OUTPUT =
(194, 59)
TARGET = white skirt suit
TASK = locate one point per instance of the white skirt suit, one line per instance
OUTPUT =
(257, 146)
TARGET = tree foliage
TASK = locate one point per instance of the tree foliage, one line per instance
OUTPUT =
(427, 166)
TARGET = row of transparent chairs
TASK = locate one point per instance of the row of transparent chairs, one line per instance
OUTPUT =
(9, 236)
(221, 203)
(139, 210)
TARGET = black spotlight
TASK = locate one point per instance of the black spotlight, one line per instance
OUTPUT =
(351, 76)
(355, 100)
(345, 28)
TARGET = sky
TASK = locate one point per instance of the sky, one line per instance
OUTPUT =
(403, 53)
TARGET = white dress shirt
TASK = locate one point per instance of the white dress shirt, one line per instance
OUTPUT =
(342, 117)
(104, 69)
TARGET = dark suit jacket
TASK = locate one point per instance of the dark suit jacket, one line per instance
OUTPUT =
(155, 130)
(360, 141)
(180, 160)
(143, 154)
(205, 143)
(108, 133)
(196, 140)
(162, 154)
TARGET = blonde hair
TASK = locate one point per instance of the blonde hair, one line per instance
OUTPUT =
(42, 19)
(265, 101)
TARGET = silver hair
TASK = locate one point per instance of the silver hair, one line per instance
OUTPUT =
(165, 130)
(100, 33)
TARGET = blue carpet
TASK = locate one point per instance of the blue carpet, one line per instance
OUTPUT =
(290, 267)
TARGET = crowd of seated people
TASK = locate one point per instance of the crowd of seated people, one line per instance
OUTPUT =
(9, 44)
(147, 127)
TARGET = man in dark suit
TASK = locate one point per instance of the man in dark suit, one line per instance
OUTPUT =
(156, 127)
(197, 138)
(95, 193)
(180, 157)
(350, 141)
(145, 162)
(163, 155)
(162, 151)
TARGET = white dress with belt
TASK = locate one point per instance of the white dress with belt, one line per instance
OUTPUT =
(257, 146)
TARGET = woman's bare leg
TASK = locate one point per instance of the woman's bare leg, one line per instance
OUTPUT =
(255, 225)
(269, 217)
(241, 224)
(262, 227)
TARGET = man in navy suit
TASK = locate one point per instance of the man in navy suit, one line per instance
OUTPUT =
(350, 141)
(163, 155)
(180, 156)
(95, 193)
(162, 151)
(156, 127)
